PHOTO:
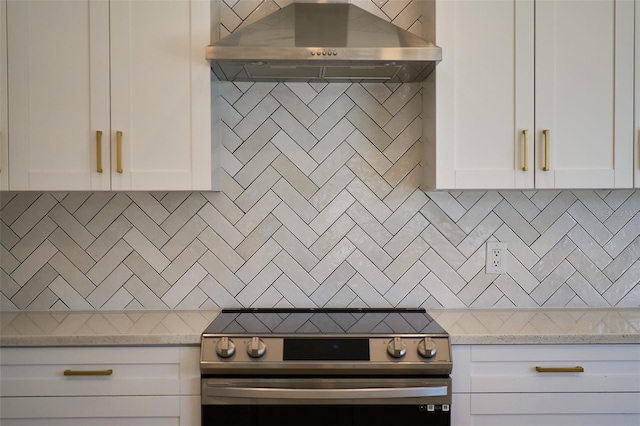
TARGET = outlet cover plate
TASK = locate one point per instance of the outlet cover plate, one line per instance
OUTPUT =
(496, 258)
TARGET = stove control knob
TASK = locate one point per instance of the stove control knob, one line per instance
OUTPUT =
(225, 347)
(427, 348)
(256, 347)
(397, 348)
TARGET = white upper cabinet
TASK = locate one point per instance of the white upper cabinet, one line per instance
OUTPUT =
(160, 94)
(4, 151)
(59, 79)
(483, 95)
(584, 93)
(520, 75)
(109, 95)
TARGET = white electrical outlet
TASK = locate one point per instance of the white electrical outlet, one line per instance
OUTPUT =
(496, 257)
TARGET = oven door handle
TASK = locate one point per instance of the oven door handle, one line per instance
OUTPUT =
(359, 393)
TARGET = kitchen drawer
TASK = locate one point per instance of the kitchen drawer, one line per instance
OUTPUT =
(135, 371)
(96, 411)
(549, 409)
(512, 368)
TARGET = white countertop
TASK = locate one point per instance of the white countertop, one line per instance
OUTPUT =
(518, 326)
(551, 326)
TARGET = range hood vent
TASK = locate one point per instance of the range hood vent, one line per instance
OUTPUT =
(322, 41)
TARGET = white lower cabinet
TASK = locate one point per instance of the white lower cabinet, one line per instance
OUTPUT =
(531, 385)
(131, 386)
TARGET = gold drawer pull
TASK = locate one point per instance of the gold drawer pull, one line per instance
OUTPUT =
(88, 372)
(577, 369)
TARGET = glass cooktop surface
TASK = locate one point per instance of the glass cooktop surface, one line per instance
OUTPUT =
(324, 321)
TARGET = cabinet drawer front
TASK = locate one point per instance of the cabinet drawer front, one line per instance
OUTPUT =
(610, 368)
(518, 376)
(556, 403)
(76, 410)
(133, 371)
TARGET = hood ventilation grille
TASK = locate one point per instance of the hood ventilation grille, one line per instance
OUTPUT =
(262, 71)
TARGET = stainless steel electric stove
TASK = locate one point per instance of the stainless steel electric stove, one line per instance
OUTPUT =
(343, 366)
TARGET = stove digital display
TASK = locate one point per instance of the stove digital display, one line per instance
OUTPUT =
(326, 349)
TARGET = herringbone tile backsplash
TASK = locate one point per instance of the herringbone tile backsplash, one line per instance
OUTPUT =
(320, 207)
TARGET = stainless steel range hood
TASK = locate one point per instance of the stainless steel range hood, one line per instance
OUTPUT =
(322, 41)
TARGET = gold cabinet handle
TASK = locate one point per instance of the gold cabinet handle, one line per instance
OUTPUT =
(577, 369)
(119, 151)
(99, 151)
(525, 167)
(88, 372)
(546, 150)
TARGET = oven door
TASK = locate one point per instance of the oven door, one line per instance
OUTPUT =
(321, 401)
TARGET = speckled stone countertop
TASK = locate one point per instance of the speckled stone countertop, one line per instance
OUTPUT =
(551, 326)
(518, 326)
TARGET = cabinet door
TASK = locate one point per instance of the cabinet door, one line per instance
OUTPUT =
(484, 87)
(4, 151)
(584, 87)
(59, 98)
(487, 65)
(160, 95)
